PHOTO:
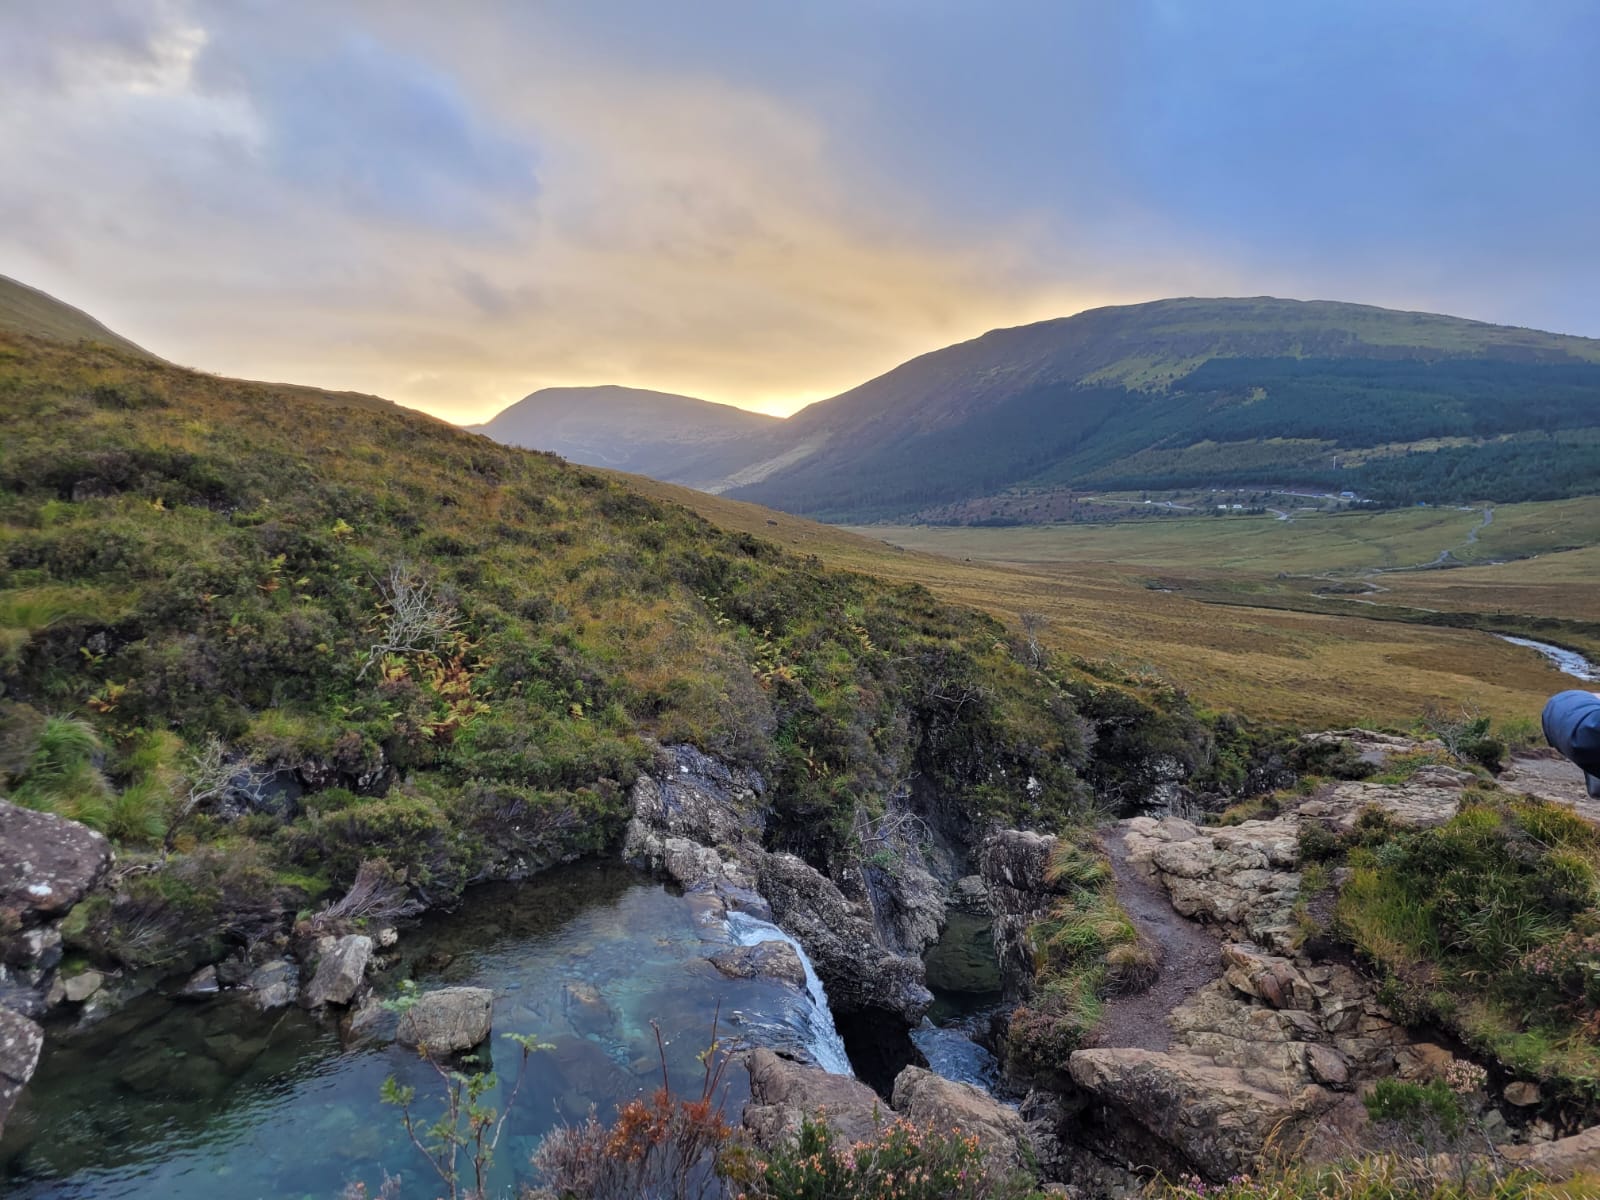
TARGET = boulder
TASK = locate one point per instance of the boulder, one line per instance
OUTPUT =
(774, 960)
(47, 863)
(202, 984)
(925, 1098)
(78, 988)
(20, 1043)
(1218, 1119)
(840, 940)
(341, 970)
(1522, 1093)
(783, 1093)
(274, 984)
(1561, 1158)
(448, 1020)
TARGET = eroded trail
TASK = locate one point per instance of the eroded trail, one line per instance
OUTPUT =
(1190, 958)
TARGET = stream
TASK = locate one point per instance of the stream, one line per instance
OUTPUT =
(1568, 662)
(182, 1100)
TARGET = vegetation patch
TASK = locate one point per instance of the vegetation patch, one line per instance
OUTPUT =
(1085, 949)
(1487, 925)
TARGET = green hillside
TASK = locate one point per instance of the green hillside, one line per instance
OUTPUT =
(30, 312)
(1183, 393)
(199, 573)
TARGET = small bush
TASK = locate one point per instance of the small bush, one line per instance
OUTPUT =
(1417, 1108)
(903, 1161)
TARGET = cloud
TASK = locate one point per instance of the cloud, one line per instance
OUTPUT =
(768, 204)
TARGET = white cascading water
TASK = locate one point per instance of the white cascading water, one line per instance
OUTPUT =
(825, 1044)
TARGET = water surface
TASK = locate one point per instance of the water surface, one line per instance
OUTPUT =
(198, 1101)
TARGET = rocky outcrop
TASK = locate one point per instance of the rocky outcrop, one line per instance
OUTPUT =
(20, 1043)
(1559, 1159)
(700, 822)
(341, 970)
(857, 971)
(1241, 878)
(1275, 1051)
(1013, 865)
(942, 1104)
(47, 864)
(1217, 1119)
(765, 960)
(784, 1093)
(448, 1020)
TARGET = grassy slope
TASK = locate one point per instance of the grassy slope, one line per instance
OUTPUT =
(1305, 668)
(29, 312)
(184, 557)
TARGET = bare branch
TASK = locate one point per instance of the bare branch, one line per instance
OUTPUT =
(418, 619)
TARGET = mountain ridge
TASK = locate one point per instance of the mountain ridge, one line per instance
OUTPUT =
(638, 430)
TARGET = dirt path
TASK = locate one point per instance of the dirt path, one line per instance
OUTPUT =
(1191, 958)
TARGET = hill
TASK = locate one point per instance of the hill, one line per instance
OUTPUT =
(659, 434)
(1182, 393)
(259, 633)
(30, 312)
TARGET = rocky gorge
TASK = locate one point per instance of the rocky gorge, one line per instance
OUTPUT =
(1253, 1036)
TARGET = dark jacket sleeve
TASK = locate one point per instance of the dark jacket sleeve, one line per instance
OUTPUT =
(1572, 726)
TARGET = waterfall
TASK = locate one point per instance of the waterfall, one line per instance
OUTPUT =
(824, 1042)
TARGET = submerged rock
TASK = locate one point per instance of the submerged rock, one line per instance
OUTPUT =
(448, 1020)
(340, 971)
(765, 960)
(274, 984)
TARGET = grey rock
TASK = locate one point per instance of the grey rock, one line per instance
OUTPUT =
(1013, 864)
(47, 863)
(943, 1104)
(765, 960)
(784, 1093)
(274, 984)
(840, 940)
(202, 984)
(340, 972)
(20, 1043)
(80, 987)
(448, 1020)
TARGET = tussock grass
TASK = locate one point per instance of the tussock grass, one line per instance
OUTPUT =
(1489, 925)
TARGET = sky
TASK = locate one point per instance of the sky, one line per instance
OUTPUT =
(765, 204)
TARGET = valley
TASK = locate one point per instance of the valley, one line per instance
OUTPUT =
(1198, 603)
(320, 715)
